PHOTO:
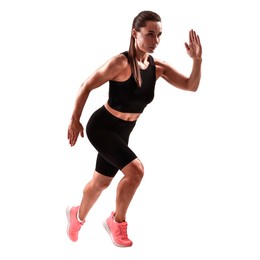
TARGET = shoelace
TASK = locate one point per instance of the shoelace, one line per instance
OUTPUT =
(77, 226)
(123, 230)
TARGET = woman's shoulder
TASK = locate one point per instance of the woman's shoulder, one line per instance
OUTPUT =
(162, 67)
(119, 60)
(118, 66)
(159, 62)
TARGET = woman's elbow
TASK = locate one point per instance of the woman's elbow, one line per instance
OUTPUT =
(193, 87)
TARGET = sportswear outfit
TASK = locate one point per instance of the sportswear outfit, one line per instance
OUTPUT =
(110, 135)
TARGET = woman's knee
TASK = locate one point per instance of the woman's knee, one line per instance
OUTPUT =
(100, 182)
(134, 170)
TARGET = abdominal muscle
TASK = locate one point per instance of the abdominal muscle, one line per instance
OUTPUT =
(121, 115)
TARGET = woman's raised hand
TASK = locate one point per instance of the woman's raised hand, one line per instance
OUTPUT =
(194, 48)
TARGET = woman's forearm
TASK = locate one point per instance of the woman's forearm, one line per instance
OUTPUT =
(194, 79)
(80, 102)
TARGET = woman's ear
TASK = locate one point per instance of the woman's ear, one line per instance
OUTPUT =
(134, 33)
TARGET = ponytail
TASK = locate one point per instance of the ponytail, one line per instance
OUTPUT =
(139, 22)
(133, 62)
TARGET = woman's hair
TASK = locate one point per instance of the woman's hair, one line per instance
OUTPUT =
(139, 22)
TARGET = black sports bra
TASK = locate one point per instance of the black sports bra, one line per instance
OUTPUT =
(127, 96)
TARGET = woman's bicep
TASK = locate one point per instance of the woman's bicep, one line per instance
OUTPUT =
(171, 75)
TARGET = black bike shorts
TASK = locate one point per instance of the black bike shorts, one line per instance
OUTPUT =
(110, 135)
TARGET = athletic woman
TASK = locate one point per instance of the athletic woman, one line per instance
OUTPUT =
(132, 76)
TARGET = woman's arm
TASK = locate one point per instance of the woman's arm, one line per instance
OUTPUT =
(109, 71)
(177, 79)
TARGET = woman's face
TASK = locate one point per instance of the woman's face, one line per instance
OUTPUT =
(148, 38)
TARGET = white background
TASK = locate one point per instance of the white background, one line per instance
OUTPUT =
(199, 198)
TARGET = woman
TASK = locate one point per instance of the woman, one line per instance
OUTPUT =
(132, 76)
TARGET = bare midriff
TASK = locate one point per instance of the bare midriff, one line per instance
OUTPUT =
(122, 115)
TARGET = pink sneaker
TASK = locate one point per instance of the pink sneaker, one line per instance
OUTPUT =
(74, 225)
(117, 231)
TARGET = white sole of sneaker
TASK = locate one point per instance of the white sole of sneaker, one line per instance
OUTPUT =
(68, 218)
(110, 234)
